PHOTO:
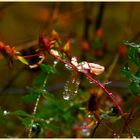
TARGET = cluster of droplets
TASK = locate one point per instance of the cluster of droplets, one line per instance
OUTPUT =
(55, 63)
(48, 121)
(85, 131)
(68, 67)
(115, 135)
(71, 89)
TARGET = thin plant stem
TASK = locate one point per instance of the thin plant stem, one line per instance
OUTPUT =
(34, 112)
(33, 55)
(109, 94)
(131, 113)
(94, 81)
(95, 128)
(35, 108)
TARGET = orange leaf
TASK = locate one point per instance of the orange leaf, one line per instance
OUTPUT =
(66, 47)
(55, 34)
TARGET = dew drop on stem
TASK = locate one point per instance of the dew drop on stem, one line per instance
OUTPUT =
(55, 63)
(66, 96)
(90, 115)
(107, 83)
(5, 112)
(85, 132)
(75, 91)
(78, 82)
(67, 67)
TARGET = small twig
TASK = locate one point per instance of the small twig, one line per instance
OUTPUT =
(94, 130)
(94, 81)
(108, 74)
(34, 112)
(100, 16)
(131, 113)
(35, 108)
(98, 84)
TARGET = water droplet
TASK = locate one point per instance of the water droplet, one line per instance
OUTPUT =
(55, 62)
(90, 116)
(36, 127)
(75, 91)
(67, 67)
(107, 83)
(66, 96)
(44, 91)
(110, 93)
(114, 134)
(78, 82)
(5, 112)
(73, 81)
(85, 132)
(90, 82)
(84, 124)
(118, 136)
(66, 89)
(48, 121)
(51, 119)
(96, 122)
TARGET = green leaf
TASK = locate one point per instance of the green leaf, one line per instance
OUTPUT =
(48, 68)
(126, 71)
(134, 52)
(26, 122)
(23, 60)
(113, 118)
(39, 80)
(30, 98)
(135, 88)
(20, 113)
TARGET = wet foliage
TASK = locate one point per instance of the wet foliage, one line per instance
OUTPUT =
(67, 71)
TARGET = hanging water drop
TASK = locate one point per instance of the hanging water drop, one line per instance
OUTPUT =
(66, 96)
(44, 91)
(90, 116)
(110, 93)
(5, 112)
(90, 82)
(77, 82)
(107, 83)
(36, 128)
(67, 67)
(73, 81)
(114, 134)
(85, 132)
(96, 122)
(66, 89)
(55, 63)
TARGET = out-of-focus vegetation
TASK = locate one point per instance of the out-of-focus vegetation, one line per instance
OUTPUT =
(97, 33)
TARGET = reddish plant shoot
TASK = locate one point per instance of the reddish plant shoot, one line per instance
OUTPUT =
(53, 46)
